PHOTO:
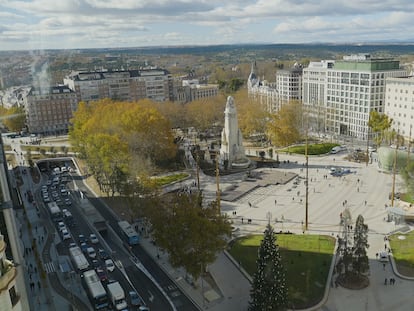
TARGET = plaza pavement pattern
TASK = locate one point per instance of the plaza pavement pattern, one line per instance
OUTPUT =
(365, 191)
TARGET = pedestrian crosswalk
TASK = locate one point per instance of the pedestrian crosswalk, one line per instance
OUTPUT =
(49, 267)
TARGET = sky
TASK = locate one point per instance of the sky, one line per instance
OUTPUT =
(71, 24)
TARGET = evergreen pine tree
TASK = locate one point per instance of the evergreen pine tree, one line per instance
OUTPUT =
(269, 290)
(360, 261)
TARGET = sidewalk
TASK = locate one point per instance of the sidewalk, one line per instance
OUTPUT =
(41, 262)
(231, 294)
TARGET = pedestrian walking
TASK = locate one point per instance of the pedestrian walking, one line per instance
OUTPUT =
(383, 266)
(38, 284)
(275, 202)
(385, 282)
(242, 220)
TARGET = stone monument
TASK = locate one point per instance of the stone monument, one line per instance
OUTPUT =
(232, 153)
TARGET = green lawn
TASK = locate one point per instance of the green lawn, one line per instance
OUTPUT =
(307, 259)
(168, 179)
(313, 149)
(403, 252)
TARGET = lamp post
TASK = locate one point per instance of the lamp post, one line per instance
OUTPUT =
(307, 176)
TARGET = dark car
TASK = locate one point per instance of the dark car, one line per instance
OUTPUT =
(103, 254)
(82, 238)
(102, 274)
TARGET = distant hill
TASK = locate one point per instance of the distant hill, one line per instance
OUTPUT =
(318, 49)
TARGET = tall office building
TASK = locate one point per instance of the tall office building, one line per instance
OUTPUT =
(355, 86)
(399, 105)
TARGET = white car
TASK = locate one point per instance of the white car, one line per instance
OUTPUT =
(65, 234)
(91, 252)
(61, 226)
(109, 265)
(93, 238)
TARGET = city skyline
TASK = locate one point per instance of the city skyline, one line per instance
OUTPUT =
(43, 24)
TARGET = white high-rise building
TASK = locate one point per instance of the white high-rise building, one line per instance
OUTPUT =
(399, 105)
(289, 84)
(356, 86)
(314, 80)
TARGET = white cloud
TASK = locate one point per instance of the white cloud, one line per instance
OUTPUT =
(192, 21)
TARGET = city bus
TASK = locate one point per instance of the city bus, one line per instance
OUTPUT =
(95, 290)
(128, 232)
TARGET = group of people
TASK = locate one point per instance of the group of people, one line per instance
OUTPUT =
(392, 281)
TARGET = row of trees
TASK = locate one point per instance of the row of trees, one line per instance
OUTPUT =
(353, 265)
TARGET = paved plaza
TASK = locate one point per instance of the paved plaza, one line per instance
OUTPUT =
(364, 191)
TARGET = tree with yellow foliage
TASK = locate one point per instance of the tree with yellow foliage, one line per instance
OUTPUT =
(113, 136)
(284, 126)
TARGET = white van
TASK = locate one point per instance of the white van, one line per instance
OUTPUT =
(336, 149)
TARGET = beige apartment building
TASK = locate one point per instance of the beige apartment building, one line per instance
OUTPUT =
(123, 85)
(186, 91)
(49, 110)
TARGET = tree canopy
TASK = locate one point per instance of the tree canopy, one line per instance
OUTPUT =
(379, 123)
(252, 117)
(191, 234)
(284, 126)
(14, 119)
(113, 136)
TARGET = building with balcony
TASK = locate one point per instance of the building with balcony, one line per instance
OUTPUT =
(49, 110)
(123, 85)
(289, 84)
